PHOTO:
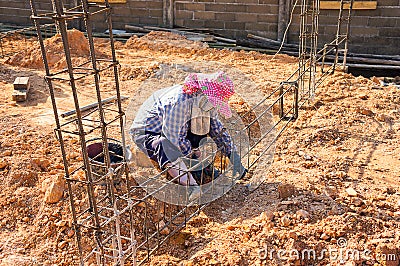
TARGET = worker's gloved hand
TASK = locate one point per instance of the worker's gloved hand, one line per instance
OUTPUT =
(238, 167)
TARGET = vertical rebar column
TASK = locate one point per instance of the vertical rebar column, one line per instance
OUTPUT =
(314, 44)
(1, 46)
(308, 39)
(342, 33)
(302, 44)
(59, 135)
(97, 205)
(62, 27)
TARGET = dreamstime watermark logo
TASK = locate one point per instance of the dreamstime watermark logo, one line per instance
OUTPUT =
(341, 254)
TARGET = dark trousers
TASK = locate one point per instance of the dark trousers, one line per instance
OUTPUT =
(160, 149)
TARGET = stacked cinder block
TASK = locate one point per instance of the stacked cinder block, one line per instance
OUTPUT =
(21, 89)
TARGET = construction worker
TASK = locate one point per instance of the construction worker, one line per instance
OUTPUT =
(172, 122)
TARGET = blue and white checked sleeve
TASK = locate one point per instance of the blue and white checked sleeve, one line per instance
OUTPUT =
(175, 125)
(221, 136)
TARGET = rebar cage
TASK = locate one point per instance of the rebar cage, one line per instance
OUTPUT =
(98, 208)
(122, 212)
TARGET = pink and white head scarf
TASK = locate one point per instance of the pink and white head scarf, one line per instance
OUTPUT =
(218, 88)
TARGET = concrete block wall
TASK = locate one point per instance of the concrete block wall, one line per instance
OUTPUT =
(234, 19)
(135, 12)
(372, 31)
(377, 31)
(15, 12)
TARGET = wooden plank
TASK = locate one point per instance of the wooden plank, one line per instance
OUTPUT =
(224, 39)
(363, 60)
(380, 67)
(136, 28)
(287, 45)
(356, 5)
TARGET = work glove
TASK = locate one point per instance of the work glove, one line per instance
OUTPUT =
(238, 168)
(207, 171)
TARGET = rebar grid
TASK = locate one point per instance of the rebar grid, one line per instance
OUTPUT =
(120, 213)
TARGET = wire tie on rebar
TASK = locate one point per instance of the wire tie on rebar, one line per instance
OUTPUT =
(293, 83)
(111, 172)
(56, 131)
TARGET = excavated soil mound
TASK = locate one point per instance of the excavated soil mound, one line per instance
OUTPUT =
(158, 40)
(32, 57)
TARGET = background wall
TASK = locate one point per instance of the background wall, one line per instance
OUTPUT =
(372, 31)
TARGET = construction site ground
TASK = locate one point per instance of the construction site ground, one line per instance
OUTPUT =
(334, 182)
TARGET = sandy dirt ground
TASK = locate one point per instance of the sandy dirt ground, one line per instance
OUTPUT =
(333, 186)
